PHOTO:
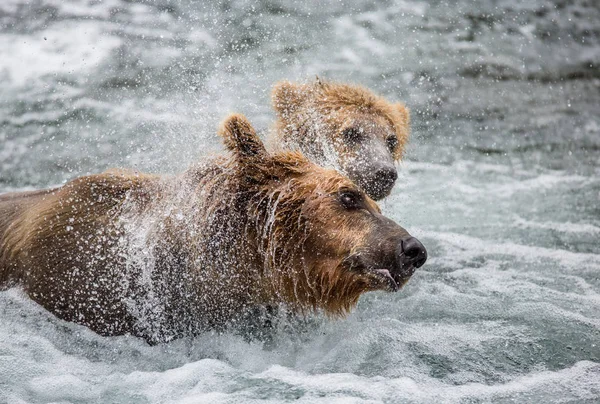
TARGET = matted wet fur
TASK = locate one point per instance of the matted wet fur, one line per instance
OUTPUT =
(166, 256)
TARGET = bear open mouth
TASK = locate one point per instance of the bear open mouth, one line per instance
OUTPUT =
(392, 281)
(380, 277)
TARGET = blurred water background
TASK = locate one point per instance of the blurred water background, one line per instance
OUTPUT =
(501, 182)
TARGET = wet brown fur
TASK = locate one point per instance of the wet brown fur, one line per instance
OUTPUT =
(196, 249)
(303, 110)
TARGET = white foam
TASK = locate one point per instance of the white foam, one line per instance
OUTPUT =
(460, 245)
(84, 9)
(541, 182)
(567, 227)
(579, 381)
(72, 49)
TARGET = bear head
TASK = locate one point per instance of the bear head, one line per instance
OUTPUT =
(346, 127)
(322, 241)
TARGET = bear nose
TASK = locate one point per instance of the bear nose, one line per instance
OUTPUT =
(386, 176)
(412, 252)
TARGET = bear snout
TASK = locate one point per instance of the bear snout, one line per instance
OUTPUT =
(392, 263)
(385, 177)
(410, 255)
(376, 181)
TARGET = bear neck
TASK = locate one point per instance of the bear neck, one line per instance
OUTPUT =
(259, 233)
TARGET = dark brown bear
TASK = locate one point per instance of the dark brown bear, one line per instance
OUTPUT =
(162, 257)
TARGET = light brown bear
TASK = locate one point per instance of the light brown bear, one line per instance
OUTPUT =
(346, 127)
(162, 257)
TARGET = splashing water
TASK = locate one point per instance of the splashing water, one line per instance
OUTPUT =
(501, 182)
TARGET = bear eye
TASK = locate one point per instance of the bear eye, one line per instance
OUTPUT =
(392, 143)
(350, 199)
(352, 135)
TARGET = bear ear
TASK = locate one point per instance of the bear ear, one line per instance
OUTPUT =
(404, 114)
(287, 97)
(401, 120)
(240, 138)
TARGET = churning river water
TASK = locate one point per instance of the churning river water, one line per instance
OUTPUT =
(501, 182)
